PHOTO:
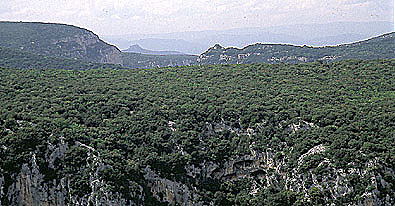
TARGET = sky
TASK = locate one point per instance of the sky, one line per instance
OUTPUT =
(116, 17)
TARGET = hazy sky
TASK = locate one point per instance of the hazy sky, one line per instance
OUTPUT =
(106, 17)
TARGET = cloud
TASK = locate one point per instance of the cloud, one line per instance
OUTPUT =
(150, 16)
(355, 1)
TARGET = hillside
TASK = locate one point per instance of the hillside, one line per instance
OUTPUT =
(381, 47)
(73, 43)
(15, 58)
(57, 40)
(259, 134)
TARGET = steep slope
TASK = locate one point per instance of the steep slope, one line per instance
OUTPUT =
(57, 40)
(260, 134)
(376, 48)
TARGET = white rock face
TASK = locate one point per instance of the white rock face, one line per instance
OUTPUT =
(315, 150)
(263, 167)
(31, 189)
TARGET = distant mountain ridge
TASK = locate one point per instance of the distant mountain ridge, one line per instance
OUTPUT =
(183, 46)
(196, 42)
(31, 43)
(135, 48)
(375, 48)
(381, 47)
(58, 40)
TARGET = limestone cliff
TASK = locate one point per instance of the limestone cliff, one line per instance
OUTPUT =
(33, 185)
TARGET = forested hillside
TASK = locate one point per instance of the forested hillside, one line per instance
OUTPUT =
(259, 134)
(46, 40)
(57, 40)
(381, 47)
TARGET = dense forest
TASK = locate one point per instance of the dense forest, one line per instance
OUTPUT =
(258, 134)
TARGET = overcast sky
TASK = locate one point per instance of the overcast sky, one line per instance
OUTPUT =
(106, 17)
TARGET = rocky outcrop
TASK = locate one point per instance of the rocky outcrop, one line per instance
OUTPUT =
(88, 47)
(30, 187)
(268, 168)
(165, 190)
(264, 168)
(110, 55)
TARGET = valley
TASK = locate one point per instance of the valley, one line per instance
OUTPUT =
(76, 44)
(82, 123)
